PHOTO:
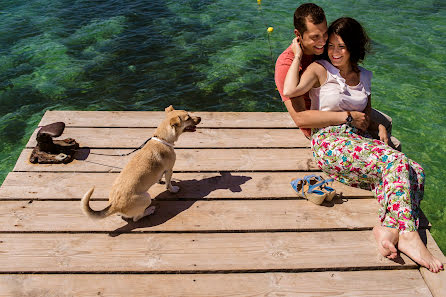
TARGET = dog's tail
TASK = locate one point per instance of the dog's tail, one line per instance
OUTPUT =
(94, 214)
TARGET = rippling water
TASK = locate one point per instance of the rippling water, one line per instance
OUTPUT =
(213, 56)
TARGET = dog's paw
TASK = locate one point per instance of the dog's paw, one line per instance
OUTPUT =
(174, 189)
(149, 210)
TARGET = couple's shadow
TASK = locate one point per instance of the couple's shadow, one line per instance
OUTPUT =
(168, 205)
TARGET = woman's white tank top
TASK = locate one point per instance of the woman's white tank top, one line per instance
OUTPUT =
(336, 95)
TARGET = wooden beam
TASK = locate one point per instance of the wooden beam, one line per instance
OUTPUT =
(187, 160)
(196, 185)
(435, 281)
(193, 216)
(196, 252)
(329, 283)
(151, 119)
(202, 138)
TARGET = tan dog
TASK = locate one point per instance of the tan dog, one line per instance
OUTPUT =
(129, 196)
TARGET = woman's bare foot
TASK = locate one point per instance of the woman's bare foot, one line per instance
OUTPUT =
(386, 238)
(410, 243)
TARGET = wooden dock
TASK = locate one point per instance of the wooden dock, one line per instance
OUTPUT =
(236, 228)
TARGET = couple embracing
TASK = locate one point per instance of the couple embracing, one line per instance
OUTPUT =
(328, 95)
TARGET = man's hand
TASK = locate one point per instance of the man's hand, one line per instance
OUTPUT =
(360, 120)
(382, 133)
(297, 49)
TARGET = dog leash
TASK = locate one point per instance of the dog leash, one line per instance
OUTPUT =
(140, 147)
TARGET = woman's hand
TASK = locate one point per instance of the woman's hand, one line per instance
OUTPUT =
(382, 133)
(360, 120)
(295, 46)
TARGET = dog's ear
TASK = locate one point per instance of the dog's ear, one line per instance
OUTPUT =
(169, 109)
(175, 121)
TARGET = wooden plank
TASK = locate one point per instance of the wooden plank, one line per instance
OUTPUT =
(185, 216)
(194, 252)
(329, 283)
(435, 281)
(187, 160)
(213, 185)
(151, 119)
(202, 138)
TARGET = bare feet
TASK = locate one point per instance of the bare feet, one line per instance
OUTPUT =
(386, 238)
(410, 243)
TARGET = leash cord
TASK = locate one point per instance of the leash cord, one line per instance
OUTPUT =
(122, 155)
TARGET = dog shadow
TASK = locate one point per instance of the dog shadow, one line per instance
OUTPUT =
(169, 205)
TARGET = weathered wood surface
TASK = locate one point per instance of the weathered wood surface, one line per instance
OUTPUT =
(236, 212)
(202, 138)
(185, 216)
(330, 283)
(151, 119)
(173, 252)
(435, 281)
(187, 160)
(195, 185)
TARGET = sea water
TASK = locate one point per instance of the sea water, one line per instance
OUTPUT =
(214, 55)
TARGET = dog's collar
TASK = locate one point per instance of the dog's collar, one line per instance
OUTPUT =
(162, 141)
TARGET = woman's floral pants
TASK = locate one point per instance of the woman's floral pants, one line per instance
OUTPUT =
(358, 161)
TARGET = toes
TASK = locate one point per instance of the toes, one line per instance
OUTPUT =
(392, 256)
(438, 266)
(389, 246)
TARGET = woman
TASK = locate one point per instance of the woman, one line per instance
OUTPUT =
(340, 105)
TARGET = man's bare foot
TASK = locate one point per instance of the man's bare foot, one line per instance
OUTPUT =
(386, 238)
(410, 243)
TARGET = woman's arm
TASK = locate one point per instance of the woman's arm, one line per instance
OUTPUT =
(294, 85)
(321, 119)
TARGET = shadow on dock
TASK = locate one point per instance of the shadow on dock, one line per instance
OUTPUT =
(168, 205)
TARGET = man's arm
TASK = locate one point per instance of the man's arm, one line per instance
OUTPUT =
(320, 119)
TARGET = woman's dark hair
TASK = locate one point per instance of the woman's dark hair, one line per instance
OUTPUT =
(354, 37)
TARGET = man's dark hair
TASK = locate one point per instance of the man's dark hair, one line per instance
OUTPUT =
(315, 14)
(354, 37)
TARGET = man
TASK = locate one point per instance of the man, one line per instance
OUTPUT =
(310, 28)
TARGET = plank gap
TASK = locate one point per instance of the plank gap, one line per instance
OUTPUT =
(229, 271)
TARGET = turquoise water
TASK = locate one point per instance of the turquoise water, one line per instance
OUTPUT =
(213, 56)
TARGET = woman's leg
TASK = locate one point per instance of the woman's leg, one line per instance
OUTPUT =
(366, 163)
(343, 156)
(386, 237)
(358, 161)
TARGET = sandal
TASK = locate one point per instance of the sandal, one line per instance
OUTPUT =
(298, 186)
(306, 187)
(315, 195)
(314, 179)
(312, 193)
(329, 189)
